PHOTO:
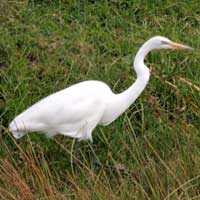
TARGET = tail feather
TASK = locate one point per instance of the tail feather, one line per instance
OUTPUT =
(14, 126)
(17, 129)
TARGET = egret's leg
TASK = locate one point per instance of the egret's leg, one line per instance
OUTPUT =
(95, 160)
(74, 156)
(98, 164)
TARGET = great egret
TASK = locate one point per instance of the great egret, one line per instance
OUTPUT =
(78, 109)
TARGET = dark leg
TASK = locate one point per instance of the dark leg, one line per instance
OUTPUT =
(74, 156)
(97, 163)
(95, 160)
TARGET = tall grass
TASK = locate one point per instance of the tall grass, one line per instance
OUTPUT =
(47, 45)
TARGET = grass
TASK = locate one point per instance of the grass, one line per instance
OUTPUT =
(48, 45)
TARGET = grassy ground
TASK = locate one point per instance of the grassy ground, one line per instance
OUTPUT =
(46, 46)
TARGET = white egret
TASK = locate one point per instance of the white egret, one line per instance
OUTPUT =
(78, 109)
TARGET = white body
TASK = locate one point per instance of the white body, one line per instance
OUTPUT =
(77, 110)
(74, 111)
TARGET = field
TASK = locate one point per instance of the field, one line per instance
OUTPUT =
(154, 147)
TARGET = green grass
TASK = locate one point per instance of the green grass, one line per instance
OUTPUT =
(48, 45)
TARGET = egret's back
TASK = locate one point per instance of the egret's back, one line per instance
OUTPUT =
(66, 111)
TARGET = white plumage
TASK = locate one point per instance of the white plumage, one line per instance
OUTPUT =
(78, 109)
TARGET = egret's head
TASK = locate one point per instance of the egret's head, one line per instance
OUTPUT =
(159, 42)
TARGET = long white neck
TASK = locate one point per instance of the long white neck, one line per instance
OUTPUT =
(125, 99)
